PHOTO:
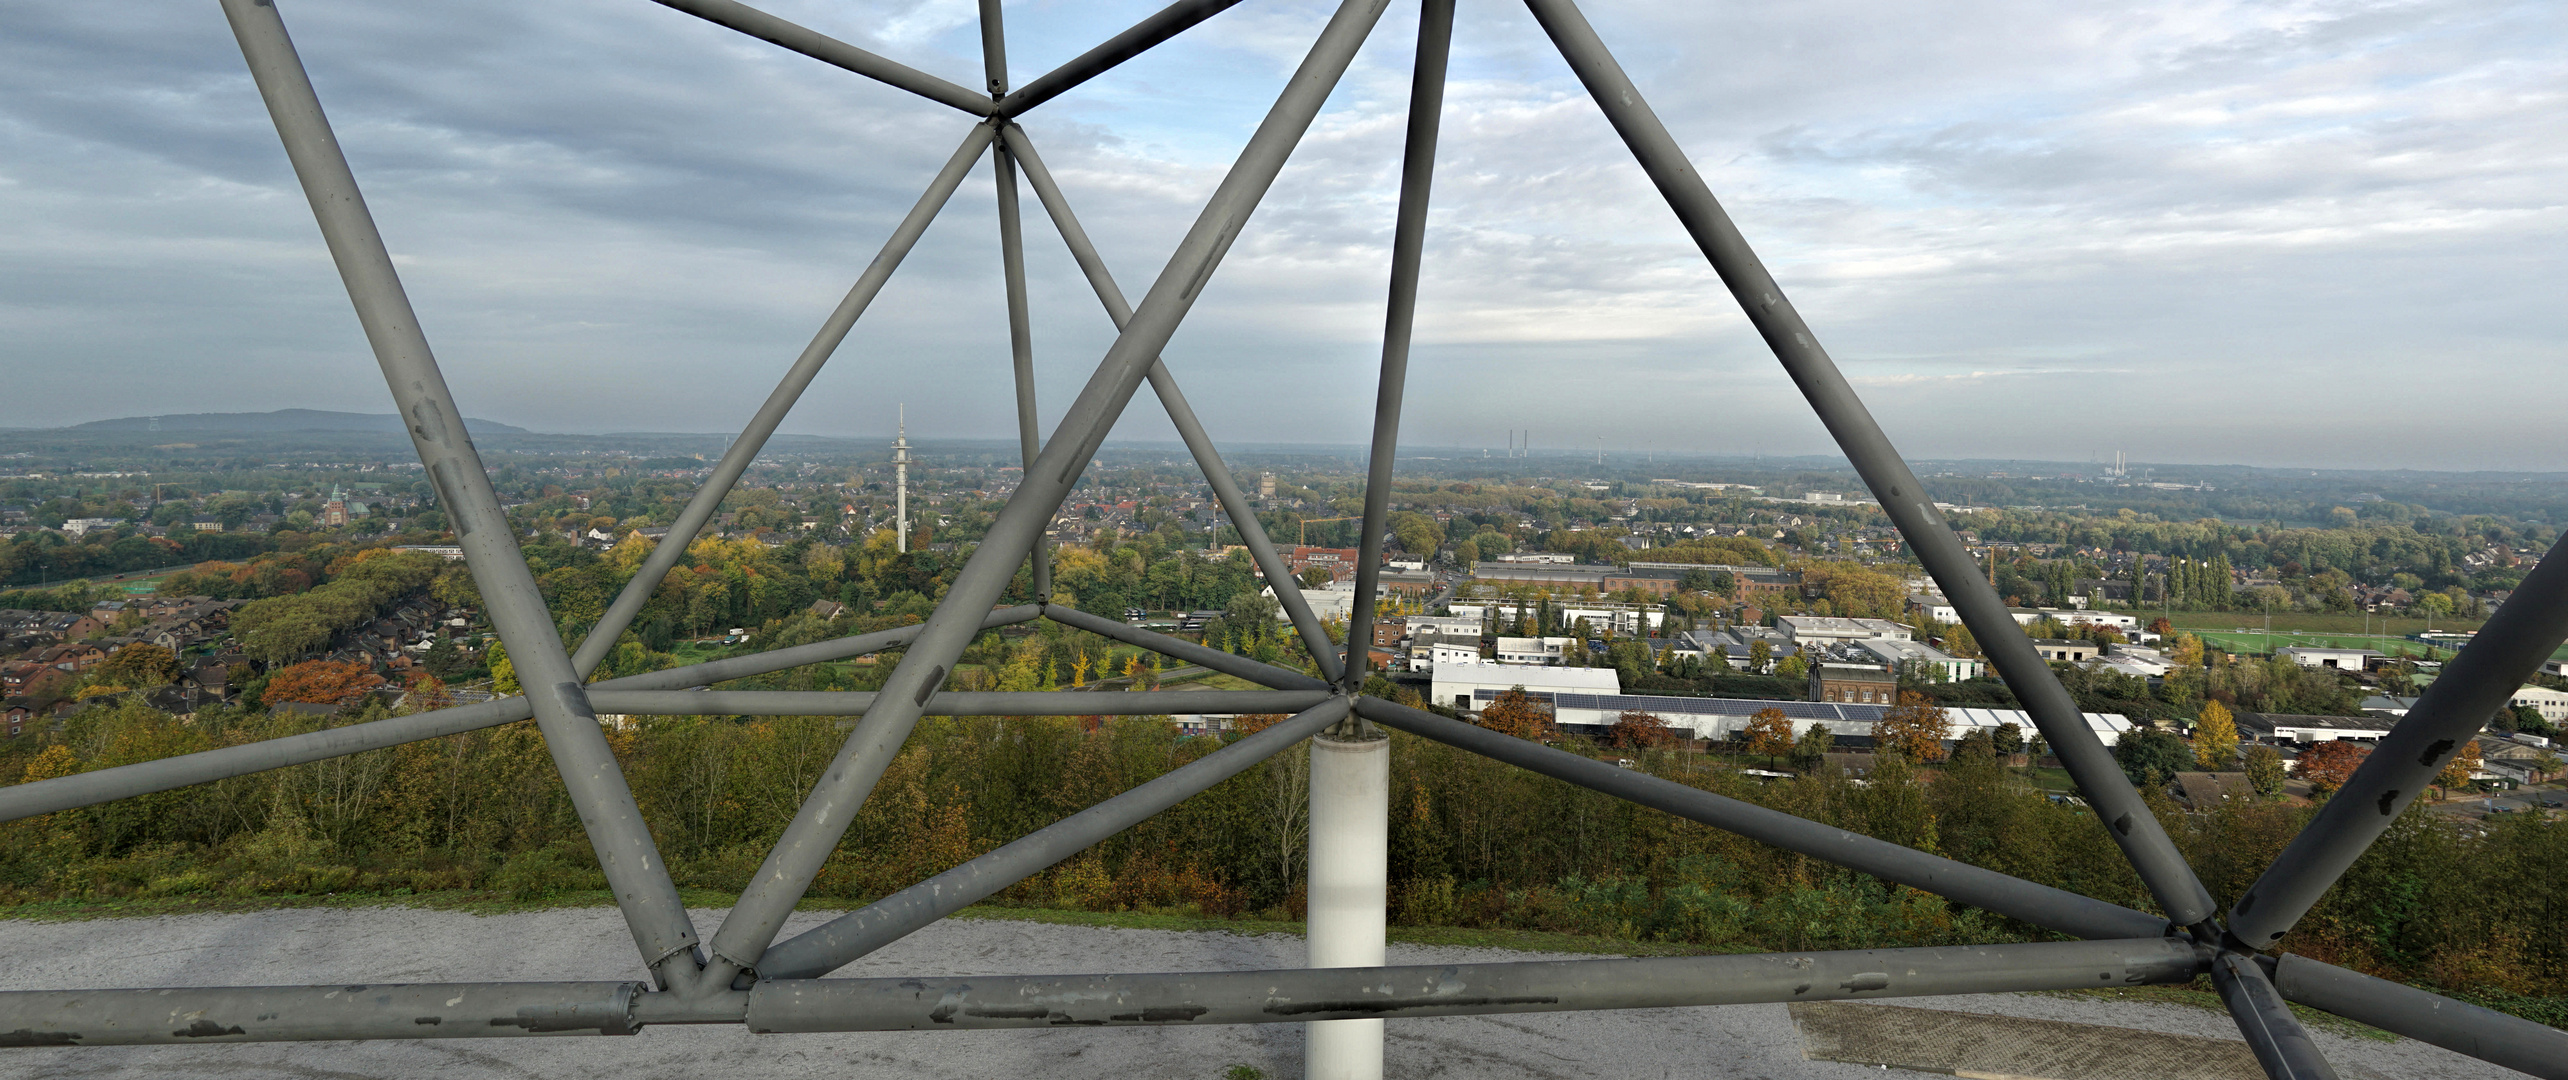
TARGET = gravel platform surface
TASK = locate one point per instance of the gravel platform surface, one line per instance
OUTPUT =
(319, 946)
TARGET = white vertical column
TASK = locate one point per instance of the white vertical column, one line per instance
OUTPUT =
(1349, 890)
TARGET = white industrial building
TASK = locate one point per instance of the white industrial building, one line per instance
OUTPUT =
(1451, 652)
(1468, 686)
(1446, 625)
(1822, 629)
(2139, 661)
(1727, 718)
(2126, 625)
(1533, 650)
(1335, 600)
(2289, 727)
(1930, 660)
(2552, 703)
(2326, 657)
(1621, 618)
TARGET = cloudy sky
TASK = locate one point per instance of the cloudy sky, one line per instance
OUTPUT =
(2292, 232)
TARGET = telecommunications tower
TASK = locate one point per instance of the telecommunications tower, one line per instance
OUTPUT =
(900, 481)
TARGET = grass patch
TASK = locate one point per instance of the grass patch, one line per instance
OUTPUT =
(2313, 622)
(480, 902)
(1454, 936)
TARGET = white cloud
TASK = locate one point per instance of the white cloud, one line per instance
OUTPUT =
(2212, 229)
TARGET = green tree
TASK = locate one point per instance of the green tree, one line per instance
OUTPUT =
(1812, 750)
(140, 664)
(2150, 757)
(2265, 770)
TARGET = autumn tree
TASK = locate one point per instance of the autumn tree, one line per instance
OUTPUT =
(1252, 723)
(428, 693)
(1769, 733)
(1914, 729)
(322, 682)
(1515, 714)
(2458, 771)
(140, 665)
(1637, 730)
(2329, 764)
(2215, 737)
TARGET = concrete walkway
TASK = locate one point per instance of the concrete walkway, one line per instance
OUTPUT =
(308, 947)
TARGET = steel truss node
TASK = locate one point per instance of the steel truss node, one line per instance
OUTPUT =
(744, 976)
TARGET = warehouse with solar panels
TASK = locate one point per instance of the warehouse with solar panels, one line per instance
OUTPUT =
(1727, 718)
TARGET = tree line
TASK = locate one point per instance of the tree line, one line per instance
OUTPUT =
(1473, 842)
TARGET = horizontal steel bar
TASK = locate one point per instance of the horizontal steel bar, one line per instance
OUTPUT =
(2458, 1026)
(187, 1016)
(2015, 898)
(956, 703)
(142, 778)
(227, 1014)
(1254, 671)
(1292, 996)
(831, 51)
(1167, 23)
(840, 941)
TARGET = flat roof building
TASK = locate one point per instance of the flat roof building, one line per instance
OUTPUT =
(1727, 718)
(1461, 685)
(2320, 656)
(1805, 629)
(1934, 662)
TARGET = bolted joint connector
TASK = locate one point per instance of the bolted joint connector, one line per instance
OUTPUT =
(1353, 728)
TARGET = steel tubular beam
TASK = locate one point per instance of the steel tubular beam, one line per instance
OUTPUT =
(242, 1014)
(744, 450)
(143, 778)
(824, 816)
(994, 61)
(596, 787)
(2460, 1027)
(1408, 244)
(1169, 22)
(2152, 854)
(2281, 1045)
(1208, 458)
(2015, 898)
(954, 703)
(842, 940)
(1302, 994)
(1262, 674)
(831, 51)
(2478, 682)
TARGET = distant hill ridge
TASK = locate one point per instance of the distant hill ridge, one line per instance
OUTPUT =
(282, 420)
